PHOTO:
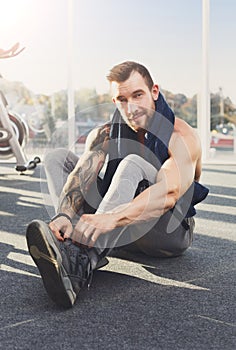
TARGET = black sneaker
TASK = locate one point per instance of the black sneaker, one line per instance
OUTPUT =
(65, 267)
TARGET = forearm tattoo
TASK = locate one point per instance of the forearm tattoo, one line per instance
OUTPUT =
(85, 172)
(79, 181)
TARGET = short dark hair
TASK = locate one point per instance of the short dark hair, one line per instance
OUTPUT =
(122, 71)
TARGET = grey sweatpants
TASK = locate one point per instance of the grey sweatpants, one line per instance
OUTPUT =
(154, 238)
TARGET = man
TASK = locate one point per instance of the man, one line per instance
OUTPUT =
(144, 202)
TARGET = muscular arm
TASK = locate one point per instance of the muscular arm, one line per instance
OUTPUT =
(79, 181)
(85, 172)
(174, 178)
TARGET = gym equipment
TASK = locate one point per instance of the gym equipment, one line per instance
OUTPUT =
(13, 129)
(13, 137)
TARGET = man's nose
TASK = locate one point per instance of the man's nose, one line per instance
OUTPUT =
(131, 108)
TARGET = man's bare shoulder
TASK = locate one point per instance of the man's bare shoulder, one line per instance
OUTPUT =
(184, 134)
(183, 129)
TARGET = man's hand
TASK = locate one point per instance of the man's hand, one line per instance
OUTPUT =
(91, 226)
(61, 227)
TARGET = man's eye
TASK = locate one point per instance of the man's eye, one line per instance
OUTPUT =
(138, 95)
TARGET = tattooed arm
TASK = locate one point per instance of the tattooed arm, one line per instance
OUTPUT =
(84, 174)
(79, 181)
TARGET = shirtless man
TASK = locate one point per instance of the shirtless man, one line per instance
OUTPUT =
(145, 201)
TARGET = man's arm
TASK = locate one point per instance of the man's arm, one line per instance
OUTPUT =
(174, 178)
(85, 171)
(80, 179)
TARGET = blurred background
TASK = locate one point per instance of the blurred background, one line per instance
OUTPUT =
(70, 45)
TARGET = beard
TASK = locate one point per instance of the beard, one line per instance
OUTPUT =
(140, 119)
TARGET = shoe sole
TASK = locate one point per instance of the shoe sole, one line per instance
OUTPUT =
(43, 248)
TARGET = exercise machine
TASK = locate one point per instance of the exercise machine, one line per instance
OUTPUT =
(13, 129)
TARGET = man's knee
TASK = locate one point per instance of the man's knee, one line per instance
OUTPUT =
(129, 165)
(136, 167)
(54, 156)
(133, 159)
(60, 158)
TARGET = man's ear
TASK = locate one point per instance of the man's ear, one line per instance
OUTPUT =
(155, 92)
(113, 100)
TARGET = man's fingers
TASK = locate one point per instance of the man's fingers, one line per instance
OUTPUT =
(68, 232)
(58, 235)
(83, 233)
(55, 231)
